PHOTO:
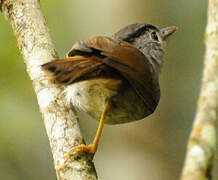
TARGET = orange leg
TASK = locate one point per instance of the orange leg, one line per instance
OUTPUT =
(92, 148)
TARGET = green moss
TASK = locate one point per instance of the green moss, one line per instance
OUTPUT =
(205, 37)
(200, 101)
(193, 142)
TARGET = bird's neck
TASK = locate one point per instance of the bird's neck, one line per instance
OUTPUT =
(156, 63)
(154, 53)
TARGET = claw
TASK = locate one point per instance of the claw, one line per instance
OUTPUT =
(47, 79)
(90, 149)
(62, 167)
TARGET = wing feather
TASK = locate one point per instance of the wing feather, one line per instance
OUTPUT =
(66, 71)
(87, 56)
(129, 61)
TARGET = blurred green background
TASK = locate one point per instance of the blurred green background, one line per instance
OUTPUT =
(150, 149)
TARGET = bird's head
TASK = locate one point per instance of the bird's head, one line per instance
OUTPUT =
(140, 34)
(149, 39)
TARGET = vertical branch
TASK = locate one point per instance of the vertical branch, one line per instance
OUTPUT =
(202, 143)
(60, 120)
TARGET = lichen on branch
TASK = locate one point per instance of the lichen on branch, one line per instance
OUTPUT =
(202, 143)
(60, 120)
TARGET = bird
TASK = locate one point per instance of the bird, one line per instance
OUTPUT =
(113, 79)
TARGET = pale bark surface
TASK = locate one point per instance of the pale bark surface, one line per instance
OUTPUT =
(202, 143)
(60, 120)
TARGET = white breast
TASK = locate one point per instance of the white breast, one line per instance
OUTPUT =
(90, 95)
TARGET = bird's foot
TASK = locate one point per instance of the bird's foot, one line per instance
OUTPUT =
(90, 149)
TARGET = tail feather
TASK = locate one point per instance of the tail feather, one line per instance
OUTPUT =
(66, 71)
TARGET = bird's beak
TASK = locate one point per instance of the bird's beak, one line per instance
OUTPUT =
(166, 32)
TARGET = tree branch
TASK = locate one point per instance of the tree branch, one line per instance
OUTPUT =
(60, 120)
(202, 143)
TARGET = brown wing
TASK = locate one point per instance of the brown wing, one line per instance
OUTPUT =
(128, 60)
(119, 55)
(66, 71)
(87, 56)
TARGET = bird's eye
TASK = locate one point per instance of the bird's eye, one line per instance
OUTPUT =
(154, 36)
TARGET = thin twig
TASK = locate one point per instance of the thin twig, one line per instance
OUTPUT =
(202, 143)
(60, 120)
